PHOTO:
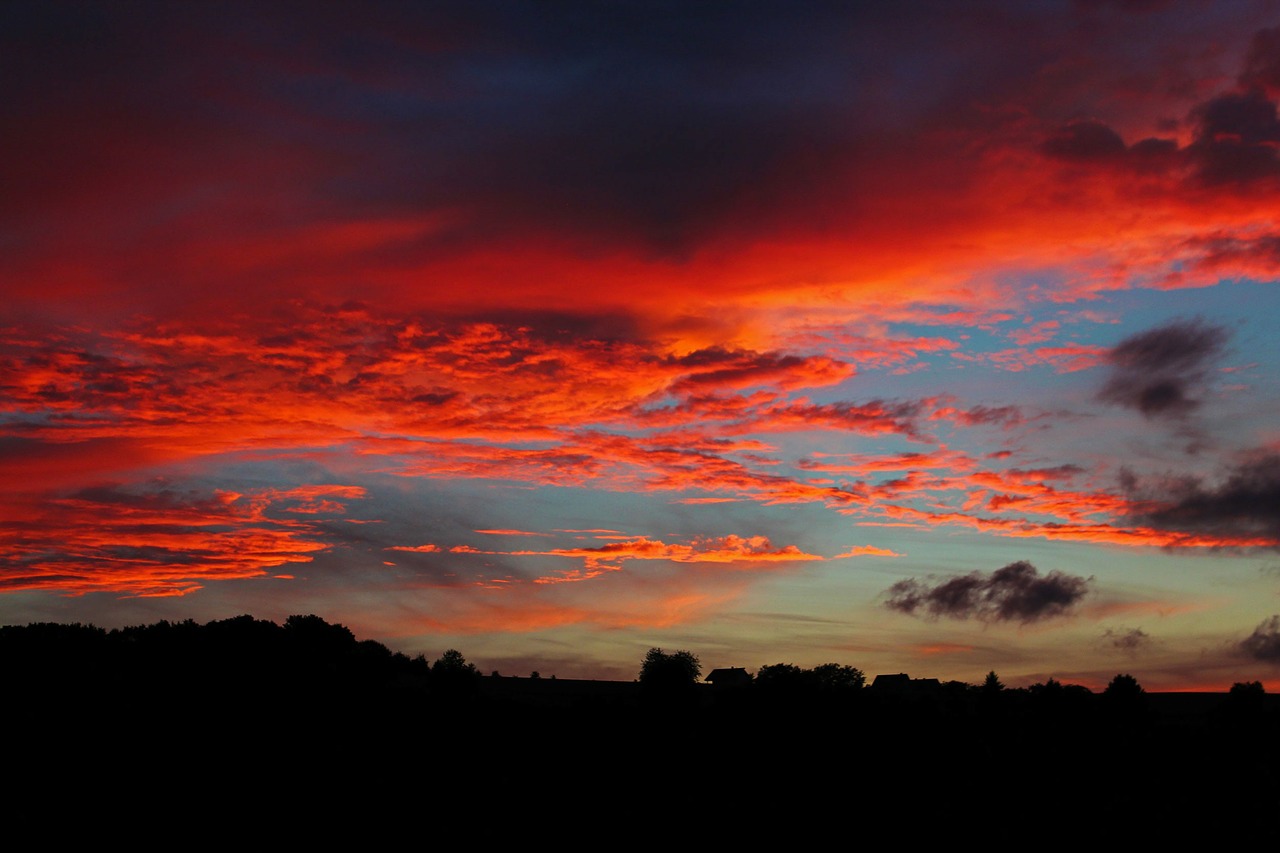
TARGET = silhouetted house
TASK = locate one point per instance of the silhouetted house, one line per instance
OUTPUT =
(896, 683)
(733, 676)
(902, 683)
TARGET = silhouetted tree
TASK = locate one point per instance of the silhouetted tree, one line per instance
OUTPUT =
(318, 633)
(1124, 687)
(779, 676)
(1065, 707)
(368, 661)
(453, 675)
(834, 676)
(994, 702)
(1047, 693)
(1245, 701)
(1124, 700)
(452, 663)
(824, 678)
(1248, 690)
(667, 672)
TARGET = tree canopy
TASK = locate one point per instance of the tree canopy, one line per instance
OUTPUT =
(1124, 686)
(670, 671)
(824, 677)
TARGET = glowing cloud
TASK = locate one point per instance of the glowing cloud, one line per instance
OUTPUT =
(867, 551)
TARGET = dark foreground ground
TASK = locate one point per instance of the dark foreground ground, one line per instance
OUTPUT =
(369, 749)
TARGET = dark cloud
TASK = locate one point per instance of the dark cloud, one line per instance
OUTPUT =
(1153, 155)
(1058, 472)
(160, 499)
(605, 119)
(664, 123)
(1005, 416)
(1130, 640)
(1246, 503)
(1237, 138)
(1223, 251)
(1085, 141)
(1237, 133)
(1262, 68)
(551, 325)
(717, 366)
(1137, 6)
(1264, 643)
(1014, 593)
(1159, 371)
(1090, 142)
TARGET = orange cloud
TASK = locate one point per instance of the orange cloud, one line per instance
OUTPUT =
(511, 533)
(867, 551)
(728, 549)
(147, 544)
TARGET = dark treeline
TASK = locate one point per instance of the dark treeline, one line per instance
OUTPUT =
(52, 669)
(171, 708)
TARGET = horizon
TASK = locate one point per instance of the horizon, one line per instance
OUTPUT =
(915, 338)
(705, 669)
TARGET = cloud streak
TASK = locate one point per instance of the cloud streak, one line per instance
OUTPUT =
(729, 550)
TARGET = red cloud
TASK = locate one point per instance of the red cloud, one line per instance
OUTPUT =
(153, 543)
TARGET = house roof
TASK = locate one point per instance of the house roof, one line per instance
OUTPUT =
(730, 673)
(900, 681)
(894, 680)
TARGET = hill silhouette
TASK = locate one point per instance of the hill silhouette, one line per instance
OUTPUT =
(182, 713)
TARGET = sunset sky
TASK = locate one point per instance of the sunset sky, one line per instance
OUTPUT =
(925, 337)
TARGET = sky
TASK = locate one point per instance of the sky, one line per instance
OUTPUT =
(924, 337)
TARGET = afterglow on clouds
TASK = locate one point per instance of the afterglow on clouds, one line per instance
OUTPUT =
(467, 327)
